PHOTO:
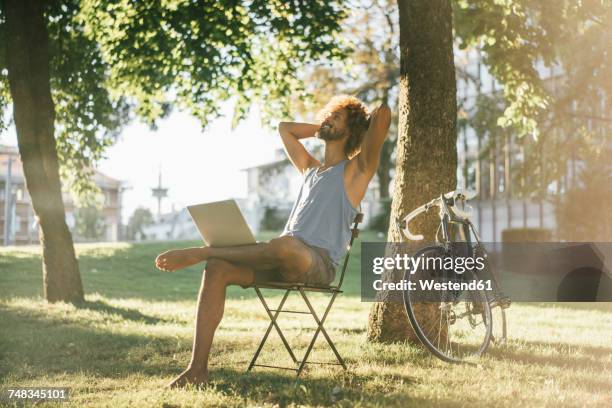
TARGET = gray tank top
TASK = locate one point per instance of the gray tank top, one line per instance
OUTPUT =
(322, 214)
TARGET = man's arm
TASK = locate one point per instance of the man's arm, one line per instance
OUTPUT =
(290, 133)
(369, 156)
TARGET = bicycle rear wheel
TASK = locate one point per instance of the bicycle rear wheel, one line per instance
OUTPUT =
(455, 325)
(498, 301)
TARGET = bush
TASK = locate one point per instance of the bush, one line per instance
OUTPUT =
(273, 219)
(141, 217)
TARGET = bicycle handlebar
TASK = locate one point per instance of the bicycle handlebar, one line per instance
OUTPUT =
(413, 214)
(441, 203)
(460, 213)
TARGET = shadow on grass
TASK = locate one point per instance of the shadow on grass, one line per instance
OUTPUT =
(283, 389)
(55, 345)
(52, 342)
(353, 331)
(601, 306)
(39, 343)
(562, 355)
(124, 313)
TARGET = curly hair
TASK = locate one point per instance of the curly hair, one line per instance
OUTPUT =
(357, 120)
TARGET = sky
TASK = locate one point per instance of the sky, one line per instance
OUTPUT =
(196, 166)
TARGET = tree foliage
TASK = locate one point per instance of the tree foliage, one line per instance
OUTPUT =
(141, 217)
(113, 60)
(371, 69)
(518, 37)
(195, 54)
(87, 118)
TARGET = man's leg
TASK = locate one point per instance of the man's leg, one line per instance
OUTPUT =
(289, 254)
(217, 276)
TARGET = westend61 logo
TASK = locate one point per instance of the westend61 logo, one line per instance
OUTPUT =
(443, 268)
(405, 262)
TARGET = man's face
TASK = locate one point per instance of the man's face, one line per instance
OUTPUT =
(334, 126)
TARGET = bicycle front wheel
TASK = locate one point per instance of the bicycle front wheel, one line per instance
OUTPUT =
(455, 325)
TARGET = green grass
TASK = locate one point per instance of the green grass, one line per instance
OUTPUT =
(134, 332)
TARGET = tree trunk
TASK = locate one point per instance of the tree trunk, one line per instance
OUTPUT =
(426, 163)
(34, 114)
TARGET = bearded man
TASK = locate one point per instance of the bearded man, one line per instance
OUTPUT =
(317, 231)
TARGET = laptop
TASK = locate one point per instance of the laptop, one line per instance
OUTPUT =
(221, 223)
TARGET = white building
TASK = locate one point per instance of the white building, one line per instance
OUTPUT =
(489, 171)
(176, 225)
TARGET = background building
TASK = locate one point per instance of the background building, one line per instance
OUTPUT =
(518, 180)
(17, 221)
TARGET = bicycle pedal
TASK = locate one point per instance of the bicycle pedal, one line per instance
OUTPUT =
(506, 302)
(503, 302)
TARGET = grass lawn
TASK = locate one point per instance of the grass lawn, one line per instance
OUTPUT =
(134, 334)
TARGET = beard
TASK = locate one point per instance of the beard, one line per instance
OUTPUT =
(328, 133)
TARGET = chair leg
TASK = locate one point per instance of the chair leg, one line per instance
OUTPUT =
(320, 328)
(273, 323)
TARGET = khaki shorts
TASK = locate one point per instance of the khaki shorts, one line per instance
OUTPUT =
(322, 271)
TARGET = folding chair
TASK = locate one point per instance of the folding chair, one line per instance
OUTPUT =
(302, 288)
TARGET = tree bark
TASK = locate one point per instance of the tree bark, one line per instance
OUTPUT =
(34, 115)
(426, 163)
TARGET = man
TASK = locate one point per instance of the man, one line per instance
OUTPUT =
(318, 229)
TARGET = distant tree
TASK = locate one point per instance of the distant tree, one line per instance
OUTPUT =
(140, 218)
(74, 70)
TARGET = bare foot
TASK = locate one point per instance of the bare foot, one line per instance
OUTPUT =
(189, 376)
(170, 261)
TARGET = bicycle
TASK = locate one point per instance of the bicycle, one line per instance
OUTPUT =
(463, 318)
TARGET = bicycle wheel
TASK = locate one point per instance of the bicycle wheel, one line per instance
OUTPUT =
(455, 325)
(497, 300)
